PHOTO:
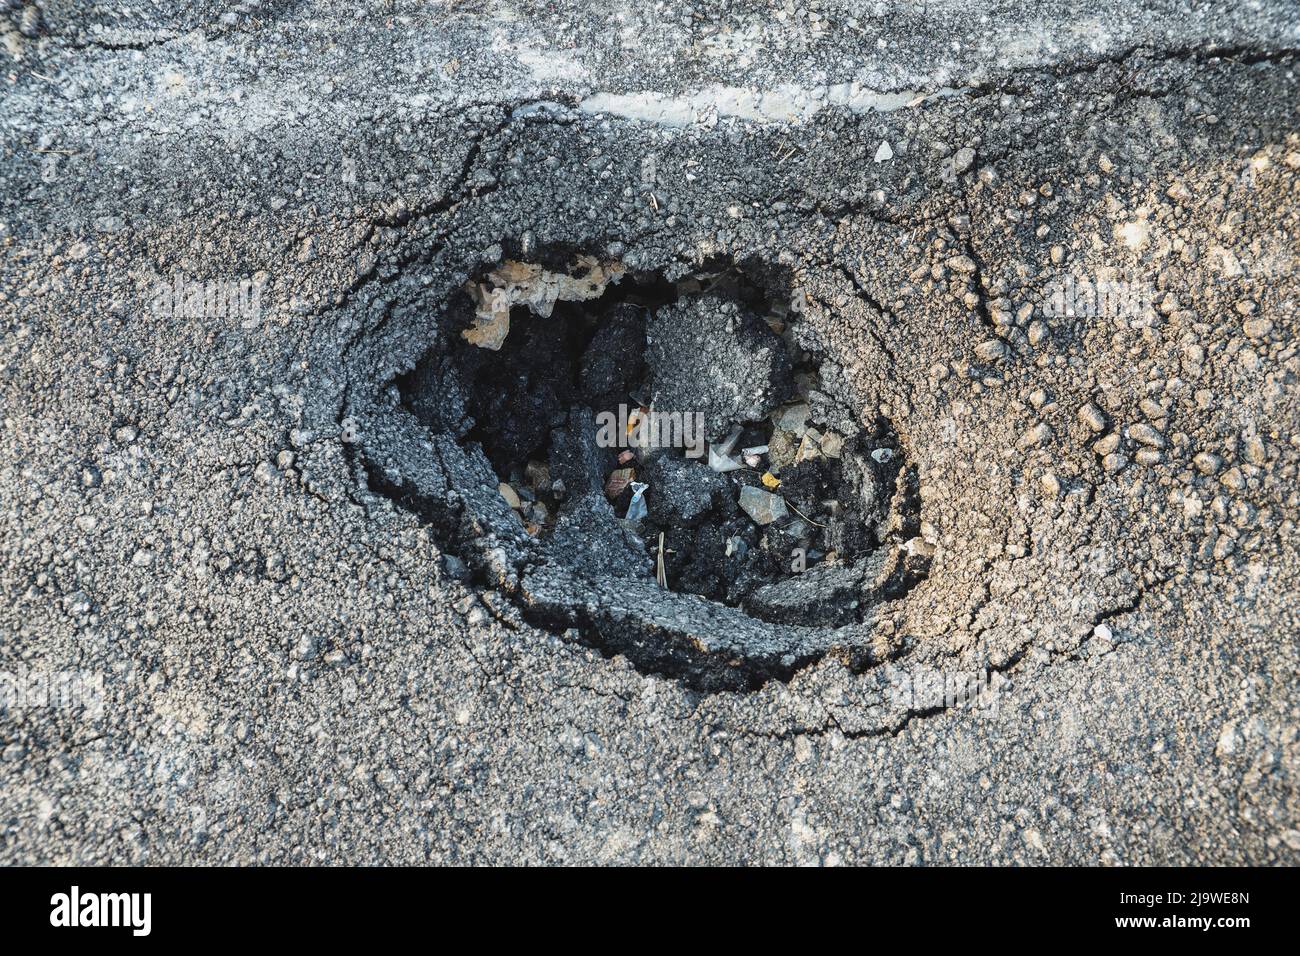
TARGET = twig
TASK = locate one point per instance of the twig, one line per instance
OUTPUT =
(661, 575)
(804, 516)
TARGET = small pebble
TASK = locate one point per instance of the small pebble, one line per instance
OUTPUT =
(29, 24)
(1035, 436)
(510, 495)
(455, 567)
(1146, 435)
(1258, 328)
(1233, 480)
(1207, 463)
(762, 507)
(1255, 451)
(1104, 446)
(1093, 417)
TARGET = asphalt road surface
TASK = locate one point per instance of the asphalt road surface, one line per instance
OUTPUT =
(263, 600)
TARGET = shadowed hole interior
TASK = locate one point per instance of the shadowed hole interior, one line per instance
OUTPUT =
(690, 408)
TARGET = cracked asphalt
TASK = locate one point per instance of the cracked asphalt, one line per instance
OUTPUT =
(276, 661)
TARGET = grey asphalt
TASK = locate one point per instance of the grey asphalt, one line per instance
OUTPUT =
(197, 511)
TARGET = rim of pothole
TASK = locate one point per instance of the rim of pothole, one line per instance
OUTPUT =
(707, 645)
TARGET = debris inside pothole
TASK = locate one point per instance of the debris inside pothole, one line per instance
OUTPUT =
(529, 284)
(676, 431)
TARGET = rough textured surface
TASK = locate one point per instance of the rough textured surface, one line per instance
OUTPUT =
(714, 357)
(294, 672)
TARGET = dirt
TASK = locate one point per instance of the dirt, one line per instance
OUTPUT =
(714, 346)
(271, 527)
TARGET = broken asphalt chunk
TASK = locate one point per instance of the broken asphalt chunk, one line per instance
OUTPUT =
(715, 357)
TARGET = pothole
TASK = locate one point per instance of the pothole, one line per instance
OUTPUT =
(656, 467)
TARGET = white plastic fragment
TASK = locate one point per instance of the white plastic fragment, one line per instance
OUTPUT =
(720, 462)
(720, 454)
(636, 510)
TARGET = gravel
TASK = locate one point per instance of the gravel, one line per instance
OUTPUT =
(254, 552)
